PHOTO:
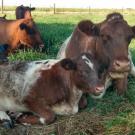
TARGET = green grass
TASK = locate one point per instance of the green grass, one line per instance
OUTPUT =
(118, 111)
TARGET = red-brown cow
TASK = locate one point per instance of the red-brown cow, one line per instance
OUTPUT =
(22, 10)
(21, 31)
(47, 87)
(108, 42)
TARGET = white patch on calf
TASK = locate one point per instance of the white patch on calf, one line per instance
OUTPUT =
(7, 103)
(61, 54)
(31, 76)
(88, 62)
(70, 107)
(65, 109)
(33, 73)
(26, 124)
(42, 120)
(4, 116)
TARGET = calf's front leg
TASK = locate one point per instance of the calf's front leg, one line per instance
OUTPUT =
(42, 110)
(29, 119)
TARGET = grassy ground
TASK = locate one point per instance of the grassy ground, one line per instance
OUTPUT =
(112, 115)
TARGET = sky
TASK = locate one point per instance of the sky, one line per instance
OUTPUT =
(74, 3)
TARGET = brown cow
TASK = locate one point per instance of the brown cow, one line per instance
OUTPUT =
(21, 31)
(47, 87)
(22, 10)
(108, 42)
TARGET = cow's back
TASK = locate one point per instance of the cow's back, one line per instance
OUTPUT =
(8, 29)
(12, 78)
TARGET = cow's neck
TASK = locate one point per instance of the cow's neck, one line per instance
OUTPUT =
(101, 58)
(14, 33)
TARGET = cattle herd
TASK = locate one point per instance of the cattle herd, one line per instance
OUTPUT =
(91, 59)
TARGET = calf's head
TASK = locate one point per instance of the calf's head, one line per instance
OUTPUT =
(114, 38)
(29, 35)
(84, 74)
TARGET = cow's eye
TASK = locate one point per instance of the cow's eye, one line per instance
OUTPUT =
(129, 38)
(105, 37)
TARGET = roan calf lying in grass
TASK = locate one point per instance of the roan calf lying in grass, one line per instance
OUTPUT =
(47, 87)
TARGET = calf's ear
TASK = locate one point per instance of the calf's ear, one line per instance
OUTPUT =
(68, 64)
(133, 29)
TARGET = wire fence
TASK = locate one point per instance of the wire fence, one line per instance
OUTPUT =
(54, 10)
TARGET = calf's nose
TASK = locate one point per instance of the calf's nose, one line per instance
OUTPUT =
(121, 65)
(99, 89)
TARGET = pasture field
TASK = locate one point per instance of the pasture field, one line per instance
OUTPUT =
(112, 115)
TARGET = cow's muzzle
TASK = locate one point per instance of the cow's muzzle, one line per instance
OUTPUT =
(98, 90)
(119, 68)
(121, 65)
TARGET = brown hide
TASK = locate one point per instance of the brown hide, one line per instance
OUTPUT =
(108, 41)
(56, 85)
(82, 40)
(21, 31)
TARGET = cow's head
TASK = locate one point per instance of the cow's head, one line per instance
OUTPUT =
(112, 44)
(84, 73)
(82, 39)
(29, 35)
(21, 11)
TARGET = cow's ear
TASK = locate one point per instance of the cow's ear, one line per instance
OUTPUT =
(133, 29)
(33, 8)
(88, 28)
(23, 26)
(68, 64)
(27, 15)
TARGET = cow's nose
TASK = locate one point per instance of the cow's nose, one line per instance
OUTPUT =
(99, 89)
(121, 65)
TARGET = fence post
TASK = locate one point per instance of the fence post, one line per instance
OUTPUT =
(54, 8)
(2, 6)
(89, 9)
